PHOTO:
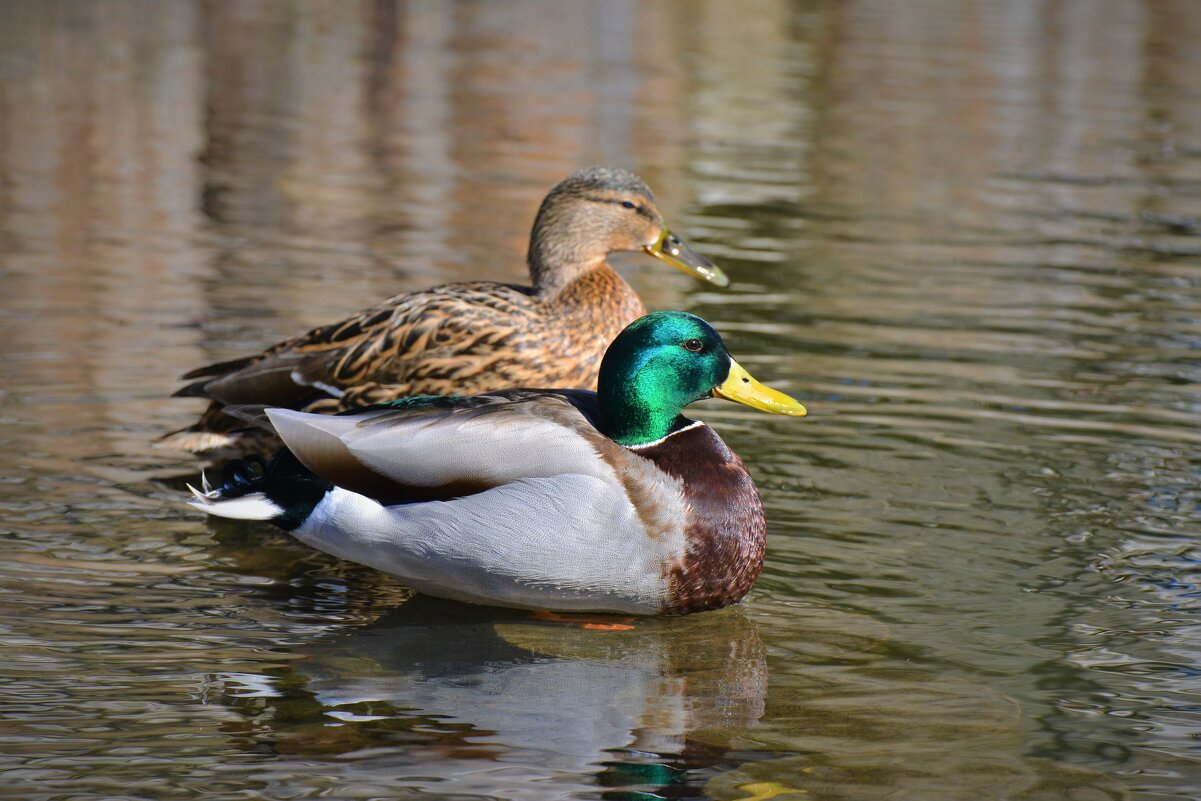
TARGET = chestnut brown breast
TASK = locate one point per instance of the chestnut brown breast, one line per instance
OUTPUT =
(725, 526)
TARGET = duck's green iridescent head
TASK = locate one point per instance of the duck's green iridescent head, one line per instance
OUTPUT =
(661, 363)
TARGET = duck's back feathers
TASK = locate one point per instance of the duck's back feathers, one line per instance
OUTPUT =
(458, 338)
(390, 343)
(447, 447)
(217, 368)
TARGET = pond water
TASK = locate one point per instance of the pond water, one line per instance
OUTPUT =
(968, 236)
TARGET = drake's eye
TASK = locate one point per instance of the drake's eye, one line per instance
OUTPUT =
(694, 345)
(625, 204)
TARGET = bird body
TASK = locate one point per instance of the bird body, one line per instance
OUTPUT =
(548, 499)
(462, 338)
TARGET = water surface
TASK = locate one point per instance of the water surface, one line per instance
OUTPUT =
(969, 238)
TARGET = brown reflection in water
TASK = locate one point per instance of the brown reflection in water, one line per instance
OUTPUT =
(1167, 143)
(381, 148)
(97, 159)
(1055, 111)
(1034, 94)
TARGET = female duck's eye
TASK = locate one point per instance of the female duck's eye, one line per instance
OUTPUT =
(693, 345)
(625, 204)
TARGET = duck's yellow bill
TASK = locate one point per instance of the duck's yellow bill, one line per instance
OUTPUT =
(675, 251)
(740, 387)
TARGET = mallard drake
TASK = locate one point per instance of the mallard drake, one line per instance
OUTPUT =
(565, 500)
(463, 338)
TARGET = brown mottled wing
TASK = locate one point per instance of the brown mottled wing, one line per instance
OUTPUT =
(459, 338)
(454, 339)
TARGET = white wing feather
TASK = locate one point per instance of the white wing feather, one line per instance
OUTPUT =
(493, 447)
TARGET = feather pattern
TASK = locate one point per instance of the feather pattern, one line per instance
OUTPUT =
(460, 338)
(527, 498)
(515, 469)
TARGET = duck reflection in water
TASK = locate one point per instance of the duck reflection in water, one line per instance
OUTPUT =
(448, 701)
(496, 702)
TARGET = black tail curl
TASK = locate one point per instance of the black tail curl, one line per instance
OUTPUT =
(284, 481)
(244, 476)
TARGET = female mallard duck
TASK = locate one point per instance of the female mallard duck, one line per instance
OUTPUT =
(463, 338)
(564, 500)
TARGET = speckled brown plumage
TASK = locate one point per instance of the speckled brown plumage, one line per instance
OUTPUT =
(725, 527)
(459, 338)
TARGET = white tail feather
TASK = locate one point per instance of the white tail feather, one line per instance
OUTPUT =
(255, 506)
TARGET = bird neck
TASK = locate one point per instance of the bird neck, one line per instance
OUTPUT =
(560, 278)
(639, 412)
